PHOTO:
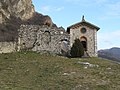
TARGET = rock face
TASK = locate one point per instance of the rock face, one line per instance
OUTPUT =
(22, 9)
(39, 19)
(13, 13)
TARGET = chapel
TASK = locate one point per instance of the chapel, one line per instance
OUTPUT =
(87, 33)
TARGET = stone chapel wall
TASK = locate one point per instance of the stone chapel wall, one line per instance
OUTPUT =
(91, 39)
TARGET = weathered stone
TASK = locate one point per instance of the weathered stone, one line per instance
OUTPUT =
(22, 9)
(87, 33)
(43, 38)
(8, 47)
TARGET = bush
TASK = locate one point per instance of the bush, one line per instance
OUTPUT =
(77, 49)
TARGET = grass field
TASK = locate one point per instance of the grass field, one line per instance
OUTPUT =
(35, 71)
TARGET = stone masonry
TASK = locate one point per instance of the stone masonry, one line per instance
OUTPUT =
(54, 40)
(8, 47)
(43, 38)
(87, 33)
(0, 18)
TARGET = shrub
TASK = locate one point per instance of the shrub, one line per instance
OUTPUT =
(77, 49)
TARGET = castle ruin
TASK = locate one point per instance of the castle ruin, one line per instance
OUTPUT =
(55, 40)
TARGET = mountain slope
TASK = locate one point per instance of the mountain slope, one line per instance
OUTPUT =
(113, 54)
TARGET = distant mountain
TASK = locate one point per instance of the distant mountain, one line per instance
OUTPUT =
(113, 54)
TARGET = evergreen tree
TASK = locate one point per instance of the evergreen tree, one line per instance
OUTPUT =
(77, 49)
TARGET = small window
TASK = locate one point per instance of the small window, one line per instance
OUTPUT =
(83, 30)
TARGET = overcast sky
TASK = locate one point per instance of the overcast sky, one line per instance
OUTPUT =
(103, 13)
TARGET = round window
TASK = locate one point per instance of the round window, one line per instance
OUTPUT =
(83, 30)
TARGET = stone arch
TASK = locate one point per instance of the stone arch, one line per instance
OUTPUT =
(83, 40)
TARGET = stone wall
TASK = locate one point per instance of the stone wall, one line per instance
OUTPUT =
(7, 47)
(55, 40)
(43, 38)
(91, 39)
(0, 18)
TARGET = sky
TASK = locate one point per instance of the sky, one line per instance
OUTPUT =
(103, 13)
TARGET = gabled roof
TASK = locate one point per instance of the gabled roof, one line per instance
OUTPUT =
(83, 22)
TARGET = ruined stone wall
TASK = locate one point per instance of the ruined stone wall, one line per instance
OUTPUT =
(42, 38)
(7, 47)
(0, 18)
(91, 39)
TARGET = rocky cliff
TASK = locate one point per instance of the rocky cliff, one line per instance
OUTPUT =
(13, 13)
(22, 9)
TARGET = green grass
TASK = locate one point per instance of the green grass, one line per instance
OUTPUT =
(34, 71)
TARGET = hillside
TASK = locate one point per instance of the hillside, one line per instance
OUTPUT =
(113, 54)
(35, 71)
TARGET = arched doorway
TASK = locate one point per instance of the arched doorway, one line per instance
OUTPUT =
(84, 42)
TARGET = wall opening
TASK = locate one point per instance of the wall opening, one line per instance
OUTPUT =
(46, 37)
(84, 42)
